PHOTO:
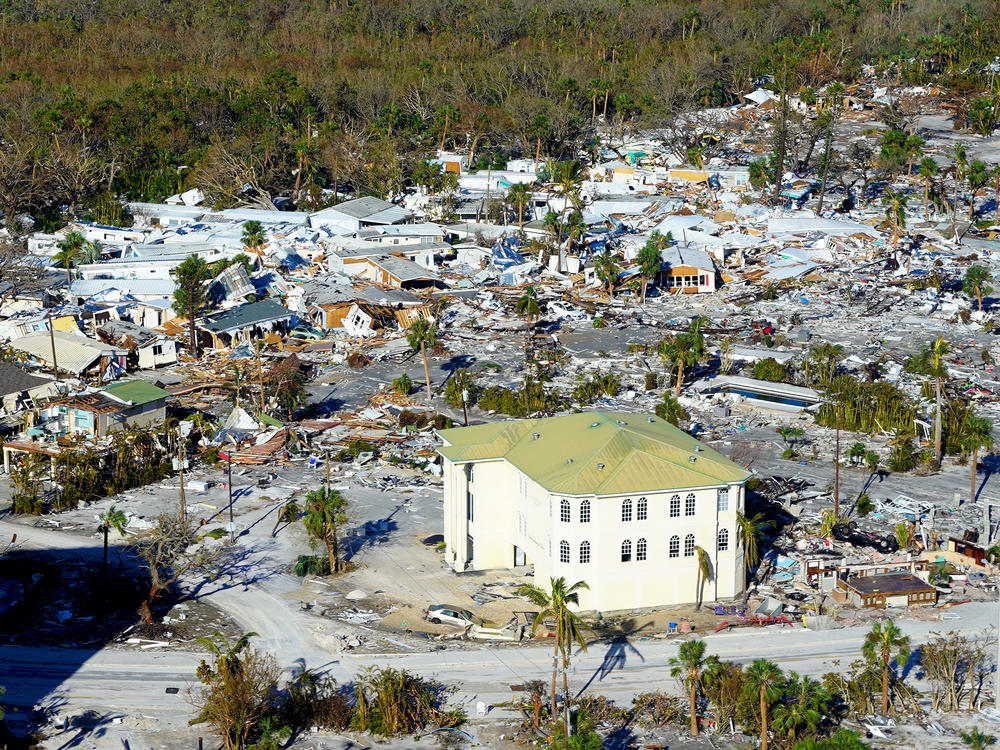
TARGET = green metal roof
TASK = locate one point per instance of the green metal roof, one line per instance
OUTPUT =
(136, 391)
(595, 453)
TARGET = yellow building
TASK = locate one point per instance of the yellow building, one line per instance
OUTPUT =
(621, 501)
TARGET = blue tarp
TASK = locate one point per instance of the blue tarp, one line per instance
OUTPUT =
(505, 254)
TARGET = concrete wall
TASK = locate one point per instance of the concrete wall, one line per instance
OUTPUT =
(509, 510)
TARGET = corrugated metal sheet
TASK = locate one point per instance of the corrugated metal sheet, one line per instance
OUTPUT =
(73, 353)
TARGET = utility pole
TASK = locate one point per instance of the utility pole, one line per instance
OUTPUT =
(328, 472)
(181, 458)
(465, 410)
(836, 470)
(569, 729)
(52, 340)
(232, 525)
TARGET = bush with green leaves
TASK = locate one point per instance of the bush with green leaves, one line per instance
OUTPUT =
(461, 379)
(403, 385)
(312, 565)
(392, 702)
(531, 399)
(589, 389)
(770, 369)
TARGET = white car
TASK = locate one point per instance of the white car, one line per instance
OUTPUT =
(447, 614)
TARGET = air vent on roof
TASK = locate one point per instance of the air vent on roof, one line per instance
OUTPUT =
(535, 436)
(698, 449)
(622, 421)
(650, 420)
(569, 460)
(600, 467)
(595, 424)
(692, 459)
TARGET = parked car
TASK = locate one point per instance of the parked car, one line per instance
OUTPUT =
(448, 614)
(306, 332)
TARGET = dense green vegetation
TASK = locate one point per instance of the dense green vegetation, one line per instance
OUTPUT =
(141, 99)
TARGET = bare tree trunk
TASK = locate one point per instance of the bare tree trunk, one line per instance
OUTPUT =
(763, 719)
(330, 553)
(427, 372)
(694, 709)
(191, 333)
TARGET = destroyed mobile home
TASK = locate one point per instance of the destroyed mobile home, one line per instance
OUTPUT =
(716, 403)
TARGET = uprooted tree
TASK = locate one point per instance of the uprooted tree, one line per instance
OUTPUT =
(169, 551)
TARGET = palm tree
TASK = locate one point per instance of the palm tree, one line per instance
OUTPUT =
(681, 350)
(226, 654)
(930, 361)
(92, 250)
(594, 91)
(112, 519)
(448, 114)
(70, 252)
(555, 605)
(804, 709)
(704, 573)
(567, 176)
(763, 679)
(422, 334)
(749, 532)
(978, 177)
(325, 513)
(976, 283)
(895, 211)
(976, 740)
(928, 170)
(650, 258)
(977, 432)
(519, 196)
(884, 643)
(606, 269)
(253, 236)
(691, 665)
(527, 307)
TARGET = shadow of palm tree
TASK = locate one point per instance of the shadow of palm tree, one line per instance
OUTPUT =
(619, 647)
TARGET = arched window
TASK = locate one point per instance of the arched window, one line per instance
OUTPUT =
(564, 510)
(642, 509)
(675, 506)
(564, 551)
(585, 511)
(584, 552)
(723, 540)
(675, 546)
(626, 510)
(689, 504)
(627, 551)
(640, 549)
(689, 545)
(723, 500)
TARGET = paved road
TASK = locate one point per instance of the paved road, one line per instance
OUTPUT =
(135, 683)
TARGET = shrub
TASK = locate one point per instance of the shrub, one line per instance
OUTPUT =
(403, 384)
(865, 505)
(393, 702)
(651, 381)
(462, 379)
(590, 389)
(599, 323)
(312, 565)
(210, 456)
(769, 369)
